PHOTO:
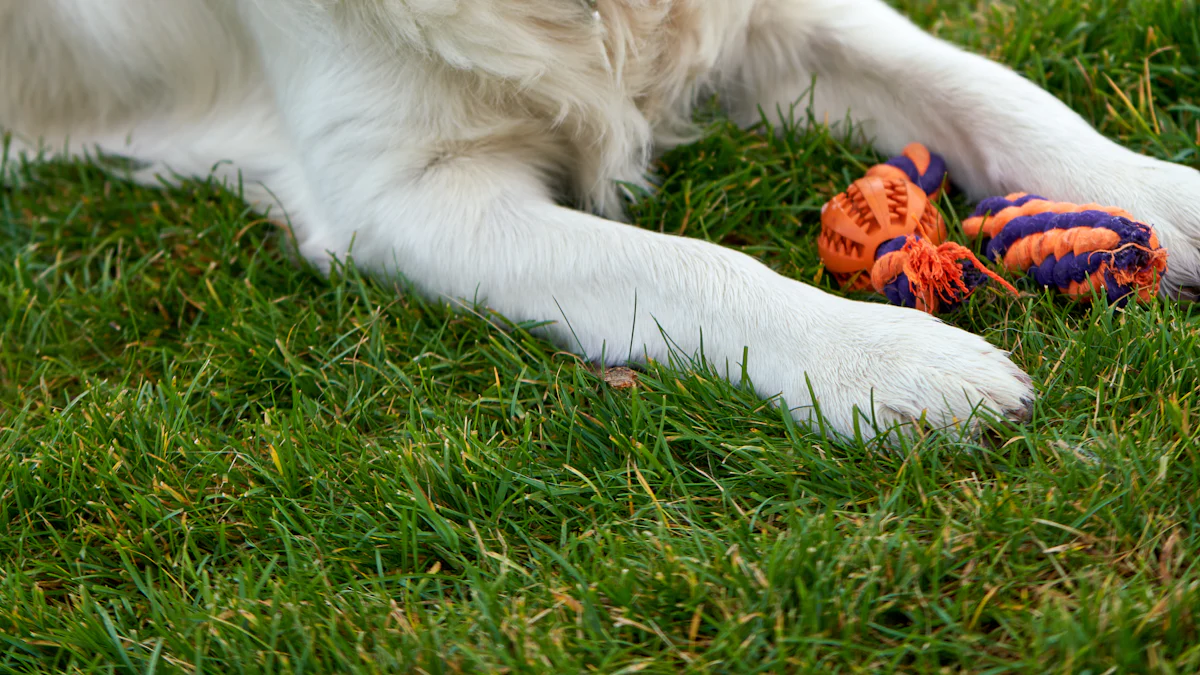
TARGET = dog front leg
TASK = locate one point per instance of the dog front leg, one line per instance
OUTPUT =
(484, 230)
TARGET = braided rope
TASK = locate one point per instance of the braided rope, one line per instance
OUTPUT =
(1077, 248)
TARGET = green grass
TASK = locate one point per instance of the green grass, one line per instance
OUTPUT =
(213, 460)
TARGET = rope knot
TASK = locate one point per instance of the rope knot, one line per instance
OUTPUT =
(912, 272)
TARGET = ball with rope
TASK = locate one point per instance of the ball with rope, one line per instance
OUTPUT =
(885, 233)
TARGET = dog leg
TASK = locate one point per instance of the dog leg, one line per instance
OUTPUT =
(485, 230)
(999, 132)
(479, 224)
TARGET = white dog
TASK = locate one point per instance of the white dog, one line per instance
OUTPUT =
(431, 138)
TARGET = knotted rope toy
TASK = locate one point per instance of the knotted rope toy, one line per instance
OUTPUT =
(1078, 248)
(884, 233)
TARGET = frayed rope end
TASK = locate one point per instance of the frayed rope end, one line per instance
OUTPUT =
(935, 277)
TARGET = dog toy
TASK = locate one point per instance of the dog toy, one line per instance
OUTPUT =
(1078, 248)
(884, 233)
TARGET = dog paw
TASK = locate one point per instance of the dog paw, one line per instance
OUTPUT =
(877, 366)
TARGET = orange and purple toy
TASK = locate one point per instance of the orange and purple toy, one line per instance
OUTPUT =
(1080, 249)
(884, 233)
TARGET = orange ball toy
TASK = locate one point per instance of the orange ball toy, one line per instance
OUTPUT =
(870, 212)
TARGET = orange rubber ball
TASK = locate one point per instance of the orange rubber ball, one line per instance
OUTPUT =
(873, 210)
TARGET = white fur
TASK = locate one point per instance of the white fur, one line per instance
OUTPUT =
(431, 138)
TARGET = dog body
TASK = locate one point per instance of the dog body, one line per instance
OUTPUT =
(432, 138)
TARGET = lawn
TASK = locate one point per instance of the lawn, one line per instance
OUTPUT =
(215, 460)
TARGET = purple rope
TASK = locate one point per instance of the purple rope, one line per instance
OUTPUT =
(931, 180)
(995, 205)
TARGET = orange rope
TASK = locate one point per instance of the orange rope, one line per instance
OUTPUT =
(1035, 248)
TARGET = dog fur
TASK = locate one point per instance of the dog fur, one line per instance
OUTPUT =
(433, 140)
